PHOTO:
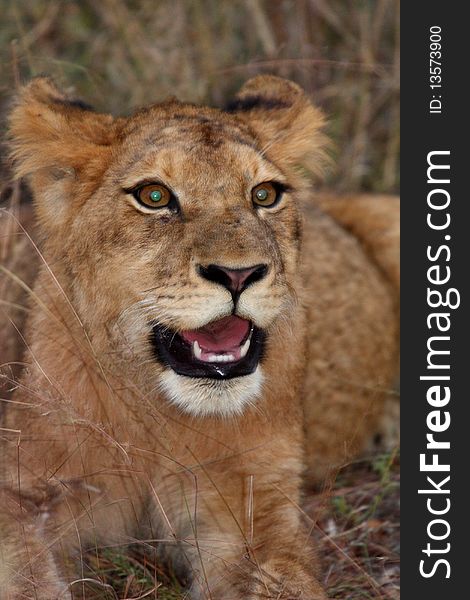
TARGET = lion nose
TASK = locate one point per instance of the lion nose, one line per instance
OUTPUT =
(234, 280)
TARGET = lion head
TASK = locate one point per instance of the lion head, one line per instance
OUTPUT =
(175, 232)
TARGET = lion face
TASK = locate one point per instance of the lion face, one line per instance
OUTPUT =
(180, 242)
(202, 272)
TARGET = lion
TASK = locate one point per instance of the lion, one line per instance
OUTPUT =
(204, 332)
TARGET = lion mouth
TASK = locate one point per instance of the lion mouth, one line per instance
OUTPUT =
(226, 348)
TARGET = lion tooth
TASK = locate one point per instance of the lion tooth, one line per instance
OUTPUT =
(197, 350)
(244, 348)
(220, 358)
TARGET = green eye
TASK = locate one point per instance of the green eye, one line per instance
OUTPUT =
(265, 194)
(153, 195)
(156, 195)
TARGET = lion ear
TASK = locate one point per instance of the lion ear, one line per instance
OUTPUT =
(53, 139)
(287, 124)
(47, 129)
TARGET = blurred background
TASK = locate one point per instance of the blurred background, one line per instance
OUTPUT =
(119, 54)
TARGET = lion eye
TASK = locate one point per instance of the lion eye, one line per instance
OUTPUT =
(153, 195)
(265, 195)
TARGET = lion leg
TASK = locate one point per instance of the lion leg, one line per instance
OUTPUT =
(67, 505)
(27, 566)
(242, 545)
(276, 561)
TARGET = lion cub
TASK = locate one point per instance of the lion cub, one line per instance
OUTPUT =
(184, 363)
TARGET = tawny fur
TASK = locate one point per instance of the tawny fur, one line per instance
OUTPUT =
(91, 428)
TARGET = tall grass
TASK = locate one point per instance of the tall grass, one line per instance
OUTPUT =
(119, 54)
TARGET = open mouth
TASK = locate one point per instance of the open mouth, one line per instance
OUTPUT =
(229, 347)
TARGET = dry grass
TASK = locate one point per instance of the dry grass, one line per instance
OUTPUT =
(118, 54)
(355, 527)
(358, 532)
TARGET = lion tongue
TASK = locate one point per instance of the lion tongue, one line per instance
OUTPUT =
(220, 336)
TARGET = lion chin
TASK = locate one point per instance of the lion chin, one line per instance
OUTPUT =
(203, 397)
